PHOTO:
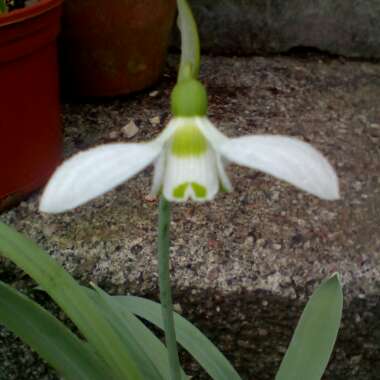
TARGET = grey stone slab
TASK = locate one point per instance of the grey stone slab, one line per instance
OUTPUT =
(245, 264)
(346, 27)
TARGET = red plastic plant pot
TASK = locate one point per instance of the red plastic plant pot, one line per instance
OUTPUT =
(114, 47)
(30, 133)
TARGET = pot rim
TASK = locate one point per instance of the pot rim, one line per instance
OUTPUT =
(23, 14)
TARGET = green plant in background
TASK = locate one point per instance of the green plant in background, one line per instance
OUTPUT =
(188, 164)
(11, 5)
(3, 6)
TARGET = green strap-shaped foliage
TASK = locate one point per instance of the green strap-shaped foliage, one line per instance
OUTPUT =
(122, 324)
(129, 326)
(54, 342)
(188, 336)
(313, 341)
(73, 300)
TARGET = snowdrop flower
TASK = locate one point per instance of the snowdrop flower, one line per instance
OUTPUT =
(189, 158)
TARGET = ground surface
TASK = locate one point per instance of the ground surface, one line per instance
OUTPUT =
(245, 264)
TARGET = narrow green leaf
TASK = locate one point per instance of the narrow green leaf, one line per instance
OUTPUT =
(136, 335)
(190, 338)
(53, 341)
(73, 300)
(314, 338)
(122, 325)
(190, 45)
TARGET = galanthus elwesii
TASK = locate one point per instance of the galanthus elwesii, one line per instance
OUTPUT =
(189, 158)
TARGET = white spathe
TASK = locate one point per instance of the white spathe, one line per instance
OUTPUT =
(91, 173)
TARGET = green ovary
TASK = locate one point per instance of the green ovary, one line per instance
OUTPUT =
(188, 141)
(199, 190)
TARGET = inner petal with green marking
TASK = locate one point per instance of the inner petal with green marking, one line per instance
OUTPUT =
(190, 166)
(180, 191)
(199, 191)
(187, 140)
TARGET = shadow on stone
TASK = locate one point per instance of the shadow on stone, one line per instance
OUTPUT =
(252, 329)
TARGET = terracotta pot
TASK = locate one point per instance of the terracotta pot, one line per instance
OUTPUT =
(114, 47)
(30, 140)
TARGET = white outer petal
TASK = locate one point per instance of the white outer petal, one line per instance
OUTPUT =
(169, 130)
(215, 139)
(158, 175)
(223, 177)
(286, 158)
(212, 134)
(91, 173)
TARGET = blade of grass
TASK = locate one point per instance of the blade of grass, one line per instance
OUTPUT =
(73, 300)
(314, 338)
(53, 341)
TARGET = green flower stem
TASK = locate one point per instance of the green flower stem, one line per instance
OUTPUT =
(189, 69)
(165, 288)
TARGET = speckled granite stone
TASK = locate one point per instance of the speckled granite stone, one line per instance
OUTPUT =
(345, 27)
(245, 264)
